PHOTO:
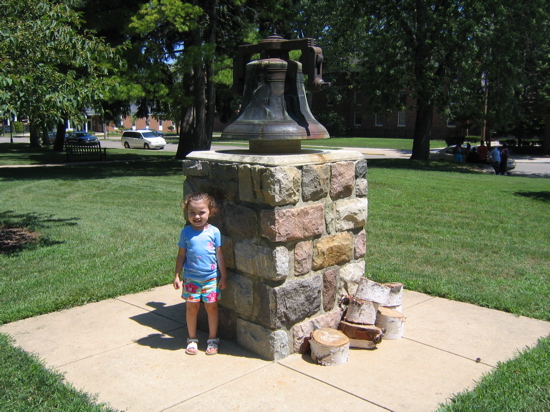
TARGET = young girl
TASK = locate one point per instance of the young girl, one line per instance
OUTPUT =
(200, 257)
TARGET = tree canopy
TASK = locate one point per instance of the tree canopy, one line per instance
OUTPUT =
(50, 69)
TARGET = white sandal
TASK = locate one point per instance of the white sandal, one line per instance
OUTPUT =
(192, 346)
(212, 346)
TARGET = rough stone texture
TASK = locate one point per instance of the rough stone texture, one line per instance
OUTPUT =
(281, 185)
(289, 303)
(303, 257)
(360, 244)
(250, 183)
(224, 171)
(196, 168)
(350, 275)
(315, 182)
(350, 213)
(240, 221)
(332, 250)
(228, 248)
(256, 260)
(290, 224)
(271, 345)
(361, 168)
(239, 295)
(330, 286)
(342, 181)
(361, 187)
(301, 332)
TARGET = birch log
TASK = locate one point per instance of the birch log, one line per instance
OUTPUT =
(329, 346)
(361, 311)
(386, 294)
(391, 321)
(361, 336)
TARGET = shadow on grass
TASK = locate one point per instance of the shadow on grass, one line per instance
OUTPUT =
(151, 166)
(426, 165)
(542, 196)
(19, 232)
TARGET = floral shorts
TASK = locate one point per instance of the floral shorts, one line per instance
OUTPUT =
(194, 290)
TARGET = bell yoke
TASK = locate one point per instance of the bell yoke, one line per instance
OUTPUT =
(275, 106)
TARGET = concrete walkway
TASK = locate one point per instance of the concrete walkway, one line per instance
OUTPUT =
(129, 351)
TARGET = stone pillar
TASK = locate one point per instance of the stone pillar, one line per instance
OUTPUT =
(294, 240)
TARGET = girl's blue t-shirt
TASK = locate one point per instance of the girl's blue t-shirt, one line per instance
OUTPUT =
(200, 256)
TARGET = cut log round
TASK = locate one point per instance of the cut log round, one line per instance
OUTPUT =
(391, 321)
(361, 311)
(362, 336)
(395, 295)
(372, 291)
(397, 308)
(386, 294)
(329, 347)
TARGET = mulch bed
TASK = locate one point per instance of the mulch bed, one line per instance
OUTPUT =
(15, 238)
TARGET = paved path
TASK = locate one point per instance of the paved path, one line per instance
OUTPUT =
(129, 351)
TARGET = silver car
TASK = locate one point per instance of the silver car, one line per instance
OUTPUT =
(142, 140)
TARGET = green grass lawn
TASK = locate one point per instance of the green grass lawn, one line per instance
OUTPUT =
(110, 229)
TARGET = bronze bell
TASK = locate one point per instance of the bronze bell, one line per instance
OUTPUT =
(275, 114)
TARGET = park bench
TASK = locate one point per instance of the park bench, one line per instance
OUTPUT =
(76, 152)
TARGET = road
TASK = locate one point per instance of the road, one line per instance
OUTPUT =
(525, 165)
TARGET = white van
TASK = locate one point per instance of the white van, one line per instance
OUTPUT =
(142, 139)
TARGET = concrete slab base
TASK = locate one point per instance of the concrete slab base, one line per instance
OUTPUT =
(129, 351)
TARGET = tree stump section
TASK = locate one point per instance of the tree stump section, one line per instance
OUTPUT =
(362, 336)
(391, 321)
(361, 311)
(329, 347)
(386, 294)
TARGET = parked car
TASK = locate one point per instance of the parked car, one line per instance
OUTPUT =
(155, 132)
(81, 138)
(448, 155)
(142, 139)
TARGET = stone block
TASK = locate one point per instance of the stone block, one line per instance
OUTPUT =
(332, 250)
(315, 182)
(342, 180)
(228, 248)
(361, 187)
(281, 185)
(303, 257)
(350, 275)
(330, 286)
(281, 225)
(240, 221)
(301, 332)
(224, 171)
(250, 183)
(239, 295)
(261, 261)
(269, 344)
(196, 168)
(289, 303)
(361, 169)
(227, 324)
(350, 213)
(360, 248)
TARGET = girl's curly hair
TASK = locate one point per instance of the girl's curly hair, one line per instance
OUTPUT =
(200, 197)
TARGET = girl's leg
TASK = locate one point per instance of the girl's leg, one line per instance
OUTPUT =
(212, 312)
(191, 314)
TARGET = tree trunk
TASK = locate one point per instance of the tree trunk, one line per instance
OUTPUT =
(546, 138)
(186, 143)
(60, 136)
(34, 134)
(422, 130)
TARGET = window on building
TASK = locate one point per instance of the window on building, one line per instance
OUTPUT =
(451, 123)
(357, 119)
(401, 119)
(357, 98)
(378, 120)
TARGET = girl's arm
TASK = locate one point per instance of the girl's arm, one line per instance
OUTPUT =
(221, 266)
(180, 259)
